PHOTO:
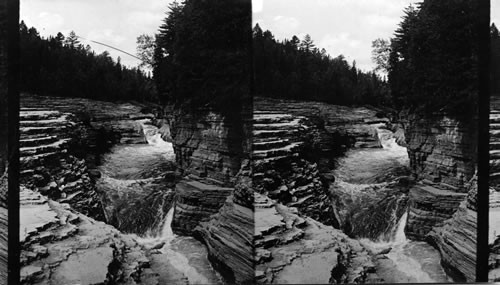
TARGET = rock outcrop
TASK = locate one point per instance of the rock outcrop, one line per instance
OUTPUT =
(291, 248)
(281, 142)
(214, 202)
(443, 158)
(206, 145)
(430, 207)
(351, 126)
(229, 234)
(61, 246)
(456, 239)
(62, 141)
(494, 178)
(196, 202)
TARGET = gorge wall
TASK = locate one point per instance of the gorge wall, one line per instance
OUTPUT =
(443, 158)
(214, 196)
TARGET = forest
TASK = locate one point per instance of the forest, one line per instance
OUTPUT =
(433, 61)
(297, 69)
(202, 54)
(431, 64)
(62, 66)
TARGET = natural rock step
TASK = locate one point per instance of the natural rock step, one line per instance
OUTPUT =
(495, 133)
(28, 161)
(41, 149)
(494, 145)
(276, 152)
(41, 130)
(271, 133)
(58, 121)
(494, 176)
(494, 165)
(494, 154)
(494, 126)
(30, 142)
(38, 115)
(266, 145)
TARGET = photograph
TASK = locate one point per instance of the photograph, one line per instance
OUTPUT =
(249, 141)
(134, 145)
(365, 141)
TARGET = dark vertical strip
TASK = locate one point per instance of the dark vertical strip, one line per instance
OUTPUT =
(249, 116)
(483, 143)
(3, 142)
(13, 144)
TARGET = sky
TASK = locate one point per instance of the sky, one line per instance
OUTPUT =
(340, 26)
(345, 27)
(114, 22)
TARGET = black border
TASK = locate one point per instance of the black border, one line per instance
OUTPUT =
(483, 30)
(13, 141)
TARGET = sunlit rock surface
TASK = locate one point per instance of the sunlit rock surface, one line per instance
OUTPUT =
(291, 248)
(61, 246)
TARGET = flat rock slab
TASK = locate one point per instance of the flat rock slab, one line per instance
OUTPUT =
(84, 267)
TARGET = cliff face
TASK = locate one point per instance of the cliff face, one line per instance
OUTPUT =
(206, 145)
(456, 238)
(443, 157)
(214, 201)
(208, 156)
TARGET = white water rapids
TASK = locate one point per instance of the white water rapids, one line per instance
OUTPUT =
(130, 169)
(363, 172)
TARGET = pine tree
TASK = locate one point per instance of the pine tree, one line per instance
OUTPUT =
(307, 43)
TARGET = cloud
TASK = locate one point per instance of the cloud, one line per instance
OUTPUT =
(257, 6)
(281, 26)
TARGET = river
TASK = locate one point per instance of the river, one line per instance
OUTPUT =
(143, 203)
(367, 176)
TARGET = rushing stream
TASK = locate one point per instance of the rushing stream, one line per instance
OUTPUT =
(365, 175)
(140, 203)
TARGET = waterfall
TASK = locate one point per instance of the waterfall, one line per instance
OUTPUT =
(400, 236)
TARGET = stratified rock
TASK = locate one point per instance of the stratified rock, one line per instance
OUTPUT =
(430, 206)
(196, 202)
(229, 233)
(281, 143)
(61, 246)
(356, 124)
(206, 145)
(456, 239)
(294, 249)
(442, 150)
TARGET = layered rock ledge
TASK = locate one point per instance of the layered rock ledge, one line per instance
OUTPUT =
(290, 248)
(61, 246)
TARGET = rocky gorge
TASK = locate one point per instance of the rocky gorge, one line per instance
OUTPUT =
(401, 179)
(86, 160)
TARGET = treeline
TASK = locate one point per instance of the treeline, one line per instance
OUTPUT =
(495, 60)
(433, 62)
(295, 69)
(62, 66)
(202, 54)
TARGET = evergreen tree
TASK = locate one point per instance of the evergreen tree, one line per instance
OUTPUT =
(307, 43)
(433, 64)
(72, 40)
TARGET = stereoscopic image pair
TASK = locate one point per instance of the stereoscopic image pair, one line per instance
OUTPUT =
(249, 142)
